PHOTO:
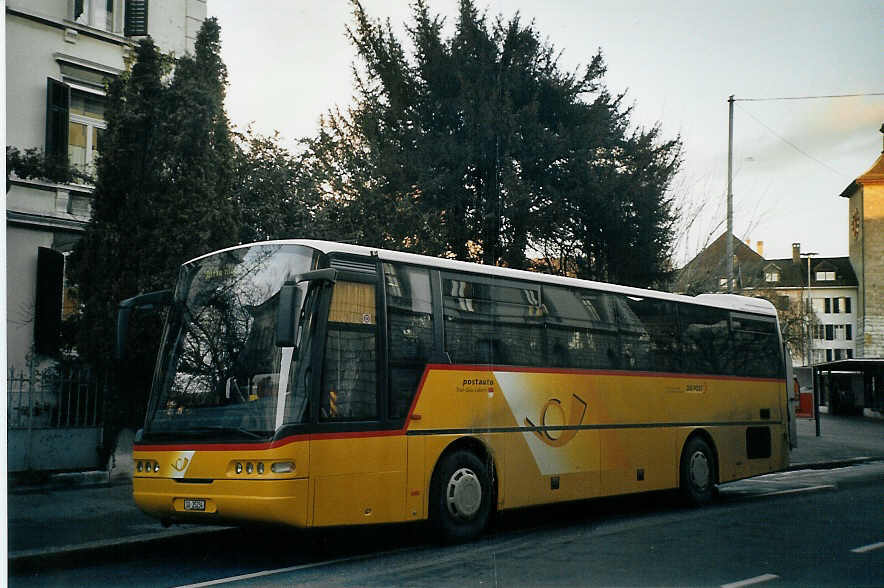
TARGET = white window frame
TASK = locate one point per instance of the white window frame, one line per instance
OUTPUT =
(91, 11)
(90, 123)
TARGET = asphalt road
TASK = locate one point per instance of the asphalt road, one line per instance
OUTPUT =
(805, 528)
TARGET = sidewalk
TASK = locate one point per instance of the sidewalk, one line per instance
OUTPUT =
(56, 522)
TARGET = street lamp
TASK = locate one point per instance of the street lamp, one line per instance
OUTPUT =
(810, 315)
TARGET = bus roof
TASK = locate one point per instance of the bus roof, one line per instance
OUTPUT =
(726, 301)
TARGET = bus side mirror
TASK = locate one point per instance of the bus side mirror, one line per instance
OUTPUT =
(286, 326)
(147, 301)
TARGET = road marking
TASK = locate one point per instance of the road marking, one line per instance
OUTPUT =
(798, 490)
(751, 581)
(288, 569)
(463, 552)
(867, 548)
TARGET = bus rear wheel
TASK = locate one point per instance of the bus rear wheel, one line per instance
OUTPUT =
(460, 496)
(697, 475)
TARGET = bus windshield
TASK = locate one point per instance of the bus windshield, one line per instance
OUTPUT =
(220, 374)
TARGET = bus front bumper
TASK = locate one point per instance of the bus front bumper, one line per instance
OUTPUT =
(223, 501)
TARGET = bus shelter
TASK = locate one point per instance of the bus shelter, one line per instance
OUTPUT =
(851, 386)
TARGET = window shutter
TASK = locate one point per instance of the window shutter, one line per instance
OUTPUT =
(47, 319)
(136, 18)
(58, 99)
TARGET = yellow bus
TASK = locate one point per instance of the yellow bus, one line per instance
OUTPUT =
(318, 384)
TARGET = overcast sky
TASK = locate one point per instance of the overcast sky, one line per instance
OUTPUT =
(290, 62)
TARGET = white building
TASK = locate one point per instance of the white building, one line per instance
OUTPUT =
(58, 55)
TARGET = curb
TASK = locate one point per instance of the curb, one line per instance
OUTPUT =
(830, 465)
(32, 558)
(66, 480)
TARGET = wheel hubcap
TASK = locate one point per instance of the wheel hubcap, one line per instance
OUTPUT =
(463, 496)
(699, 470)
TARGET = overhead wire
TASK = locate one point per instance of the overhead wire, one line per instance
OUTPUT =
(809, 97)
(793, 145)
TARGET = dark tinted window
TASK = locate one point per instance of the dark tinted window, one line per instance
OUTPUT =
(581, 329)
(648, 333)
(489, 322)
(706, 343)
(756, 348)
(410, 331)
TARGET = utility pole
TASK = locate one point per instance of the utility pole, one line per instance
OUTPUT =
(810, 320)
(729, 248)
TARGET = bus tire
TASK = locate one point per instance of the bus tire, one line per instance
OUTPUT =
(697, 472)
(460, 496)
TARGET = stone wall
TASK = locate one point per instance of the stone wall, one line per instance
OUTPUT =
(872, 336)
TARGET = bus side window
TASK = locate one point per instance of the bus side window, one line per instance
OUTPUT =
(409, 331)
(758, 342)
(490, 322)
(581, 331)
(349, 375)
(706, 341)
(650, 325)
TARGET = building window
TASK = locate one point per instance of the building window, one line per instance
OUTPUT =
(830, 332)
(97, 14)
(828, 355)
(772, 276)
(825, 276)
(836, 305)
(840, 332)
(819, 332)
(848, 332)
(828, 305)
(85, 129)
(849, 353)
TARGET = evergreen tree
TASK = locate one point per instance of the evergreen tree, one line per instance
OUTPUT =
(480, 147)
(274, 192)
(162, 196)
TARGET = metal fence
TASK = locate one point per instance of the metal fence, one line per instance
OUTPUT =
(66, 396)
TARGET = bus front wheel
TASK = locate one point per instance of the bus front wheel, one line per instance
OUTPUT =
(460, 496)
(697, 472)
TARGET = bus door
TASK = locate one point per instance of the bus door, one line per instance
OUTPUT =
(357, 468)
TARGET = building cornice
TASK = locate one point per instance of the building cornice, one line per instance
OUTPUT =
(67, 222)
(86, 64)
(50, 186)
(815, 288)
(67, 24)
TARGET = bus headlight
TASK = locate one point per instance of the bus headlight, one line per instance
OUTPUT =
(283, 467)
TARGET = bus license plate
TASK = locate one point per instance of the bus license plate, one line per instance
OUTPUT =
(194, 504)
